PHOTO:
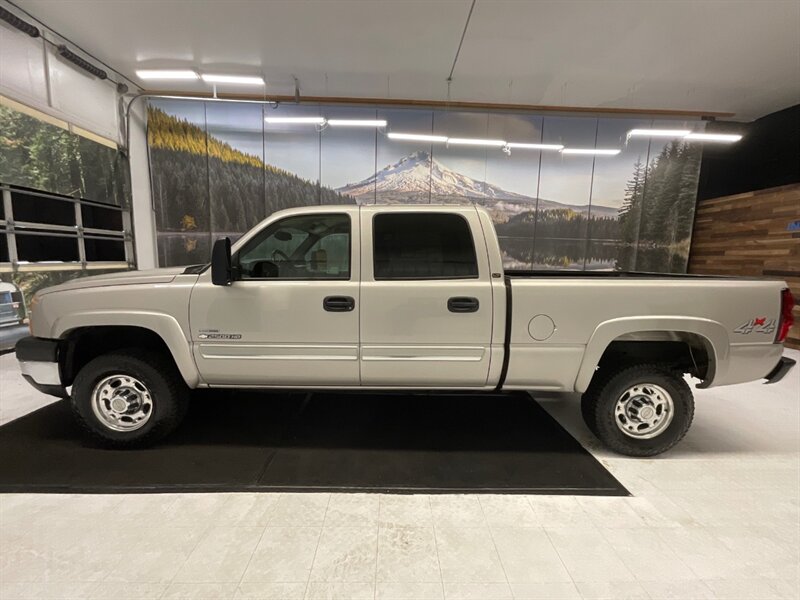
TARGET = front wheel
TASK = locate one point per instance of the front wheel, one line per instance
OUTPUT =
(642, 410)
(129, 398)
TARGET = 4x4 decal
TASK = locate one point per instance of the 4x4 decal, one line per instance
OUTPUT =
(757, 324)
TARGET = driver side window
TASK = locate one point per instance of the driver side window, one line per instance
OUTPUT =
(314, 246)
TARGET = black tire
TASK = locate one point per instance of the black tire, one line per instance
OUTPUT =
(169, 393)
(599, 402)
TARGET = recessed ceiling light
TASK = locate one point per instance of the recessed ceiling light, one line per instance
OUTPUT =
(476, 142)
(714, 137)
(671, 133)
(416, 137)
(297, 120)
(534, 146)
(166, 74)
(357, 122)
(236, 79)
(593, 151)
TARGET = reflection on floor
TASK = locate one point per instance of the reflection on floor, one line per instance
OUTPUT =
(718, 517)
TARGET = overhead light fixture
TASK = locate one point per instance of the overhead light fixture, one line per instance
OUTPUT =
(526, 146)
(296, 120)
(357, 122)
(236, 79)
(728, 138)
(166, 74)
(18, 23)
(476, 142)
(416, 137)
(591, 151)
(670, 133)
(78, 61)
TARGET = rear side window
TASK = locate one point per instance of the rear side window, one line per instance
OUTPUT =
(423, 246)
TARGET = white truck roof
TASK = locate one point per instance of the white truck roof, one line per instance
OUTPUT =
(6, 286)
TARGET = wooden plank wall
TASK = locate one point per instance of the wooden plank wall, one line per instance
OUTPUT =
(748, 234)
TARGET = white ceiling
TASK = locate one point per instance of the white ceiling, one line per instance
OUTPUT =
(714, 55)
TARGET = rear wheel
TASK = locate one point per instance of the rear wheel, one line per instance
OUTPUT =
(641, 410)
(129, 398)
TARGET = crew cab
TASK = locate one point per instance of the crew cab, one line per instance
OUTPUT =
(398, 298)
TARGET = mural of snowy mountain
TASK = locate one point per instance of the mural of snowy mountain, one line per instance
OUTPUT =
(416, 177)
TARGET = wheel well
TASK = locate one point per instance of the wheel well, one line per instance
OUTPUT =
(86, 343)
(685, 352)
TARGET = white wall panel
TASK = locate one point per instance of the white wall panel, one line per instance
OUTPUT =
(22, 71)
(81, 98)
(143, 218)
(75, 96)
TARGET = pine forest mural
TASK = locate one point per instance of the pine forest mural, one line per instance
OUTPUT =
(38, 155)
(44, 157)
(217, 169)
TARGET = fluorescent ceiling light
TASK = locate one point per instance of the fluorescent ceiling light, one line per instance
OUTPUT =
(671, 133)
(166, 74)
(476, 142)
(297, 120)
(595, 151)
(416, 137)
(714, 137)
(239, 79)
(357, 122)
(535, 146)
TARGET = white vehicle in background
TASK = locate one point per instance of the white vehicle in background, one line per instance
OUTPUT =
(399, 298)
(12, 305)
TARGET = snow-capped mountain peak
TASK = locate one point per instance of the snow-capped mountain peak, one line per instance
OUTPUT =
(419, 177)
(420, 173)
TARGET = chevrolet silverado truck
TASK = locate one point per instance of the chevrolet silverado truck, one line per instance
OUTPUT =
(398, 298)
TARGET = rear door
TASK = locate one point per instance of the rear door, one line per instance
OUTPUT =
(426, 298)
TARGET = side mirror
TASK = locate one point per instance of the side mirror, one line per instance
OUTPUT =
(221, 272)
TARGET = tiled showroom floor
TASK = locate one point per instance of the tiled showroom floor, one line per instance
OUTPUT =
(718, 517)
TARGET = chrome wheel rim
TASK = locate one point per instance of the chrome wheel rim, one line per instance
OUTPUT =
(644, 411)
(122, 403)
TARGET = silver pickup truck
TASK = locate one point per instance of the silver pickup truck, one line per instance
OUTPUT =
(398, 298)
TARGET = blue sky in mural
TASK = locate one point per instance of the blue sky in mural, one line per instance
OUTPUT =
(348, 153)
(240, 127)
(341, 156)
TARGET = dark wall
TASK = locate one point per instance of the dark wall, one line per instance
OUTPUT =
(768, 156)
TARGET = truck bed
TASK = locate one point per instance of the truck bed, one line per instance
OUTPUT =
(559, 319)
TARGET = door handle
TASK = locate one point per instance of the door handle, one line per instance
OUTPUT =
(463, 304)
(338, 303)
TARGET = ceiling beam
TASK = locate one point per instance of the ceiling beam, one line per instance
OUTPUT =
(393, 102)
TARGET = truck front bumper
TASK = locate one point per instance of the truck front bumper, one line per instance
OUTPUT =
(38, 362)
(781, 369)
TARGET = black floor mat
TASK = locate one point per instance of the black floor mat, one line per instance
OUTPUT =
(240, 441)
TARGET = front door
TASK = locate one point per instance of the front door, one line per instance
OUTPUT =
(291, 317)
(426, 299)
